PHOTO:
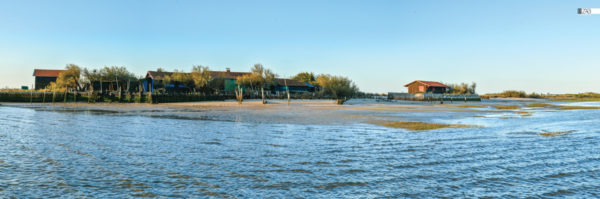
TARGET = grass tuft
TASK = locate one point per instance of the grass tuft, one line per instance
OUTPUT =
(421, 126)
(470, 106)
(562, 107)
(524, 113)
(552, 134)
(577, 99)
(507, 107)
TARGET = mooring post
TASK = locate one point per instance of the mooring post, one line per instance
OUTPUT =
(287, 90)
(262, 92)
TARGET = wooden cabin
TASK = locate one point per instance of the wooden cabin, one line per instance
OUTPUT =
(294, 86)
(43, 77)
(419, 86)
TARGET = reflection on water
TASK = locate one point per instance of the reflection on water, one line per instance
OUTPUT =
(83, 154)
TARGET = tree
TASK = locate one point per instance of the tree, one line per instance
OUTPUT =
(259, 77)
(201, 76)
(70, 77)
(244, 81)
(338, 87)
(116, 74)
(472, 88)
(306, 77)
(180, 78)
(462, 88)
(90, 75)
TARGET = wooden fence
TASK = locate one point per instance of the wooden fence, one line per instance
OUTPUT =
(110, 97)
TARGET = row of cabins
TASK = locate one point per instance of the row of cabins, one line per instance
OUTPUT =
(154, 80)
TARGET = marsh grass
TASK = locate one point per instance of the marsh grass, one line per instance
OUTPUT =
(577, 100)
(552, 134)
(470, 106)
(421, 126)
(507, 107)
(561, 107)
(524, 113)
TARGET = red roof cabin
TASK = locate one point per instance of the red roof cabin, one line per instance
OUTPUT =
(43, 77)
(419, 86)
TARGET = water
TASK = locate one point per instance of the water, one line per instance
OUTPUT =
(84, 154)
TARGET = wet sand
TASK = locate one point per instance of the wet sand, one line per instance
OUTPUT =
(275, 111)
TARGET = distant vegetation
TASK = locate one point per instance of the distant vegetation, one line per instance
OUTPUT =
(562, 107)
(462, 88)
(513, 94)
(589, 96)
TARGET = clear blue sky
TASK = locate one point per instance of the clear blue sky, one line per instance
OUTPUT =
(541, 46)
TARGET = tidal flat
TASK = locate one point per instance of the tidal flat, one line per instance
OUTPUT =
(304, 149)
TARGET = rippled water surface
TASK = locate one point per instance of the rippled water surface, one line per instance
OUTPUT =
(83, 154)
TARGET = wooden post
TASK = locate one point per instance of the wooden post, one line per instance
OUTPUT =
(239, 94)
(287, 90)
(262, 91)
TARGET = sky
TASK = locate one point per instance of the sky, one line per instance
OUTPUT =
(535, 46)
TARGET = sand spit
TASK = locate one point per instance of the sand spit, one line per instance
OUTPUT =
(280, 111)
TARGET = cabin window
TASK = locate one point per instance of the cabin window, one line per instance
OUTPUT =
(421, 89)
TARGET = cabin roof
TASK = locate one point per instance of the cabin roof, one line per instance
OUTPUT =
(47, 72)
(227, 75)
(157, 75)
(290, 82)
(214, 74)
(427, 83)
